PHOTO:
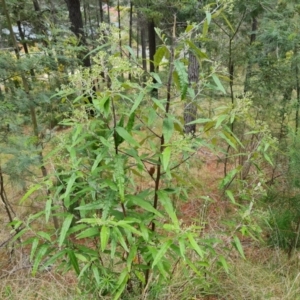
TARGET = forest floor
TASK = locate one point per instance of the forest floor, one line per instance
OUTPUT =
(266, 273)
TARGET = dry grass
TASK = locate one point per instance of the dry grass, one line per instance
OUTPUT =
(46, 285)
(266, 275)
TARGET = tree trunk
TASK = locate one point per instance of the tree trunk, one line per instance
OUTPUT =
(151, 43)
(130, 33)
(249, 67)
(108, 12)
(77, 28)
(143, 44)
(84, 13)
(152, 50)
(36, 5)
(190, 108)
(25, 46)
(90, 22)
(101, 11)
(119, 26)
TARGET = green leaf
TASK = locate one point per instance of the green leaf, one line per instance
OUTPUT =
(168, 128)
(66, 195)
(64, 229)
(228, 23)
(238, 246)
(268, 159)
(140, 276)
(96, 273)
(229, 139)
(113, 247)
(137, 102)
(158, 103)
(182, 247)
(199, 121)
(161, 253)
(145, 232)
(219, 120)
(120, 238)
(18, 235)
(159, 54)
(104, 105)
(130, 122)
(218, 83)
(127, 137)
(119, 176)
(90, 232)
(39, 256)
(192, 266)
(194, 245)
(208, 17)
(55, 257)
(121, 284)
(223, 262)
(104, 237)
(125, 225)
(167, 205)
(230, 196)
(132, 53)
(197, 52)
(44, 235)
(131, 256)
(230, 176)
(81, 257)
(73, 260)
(205, 28)
(29, 192)
(34, 245)
(140, 202)
(156, 77)
(152, 116)
(162, 270)
(189, 28)
(91, 206)
(97, 161)
(48, 209)
(76, 228)
(166, 155)
(183, 77)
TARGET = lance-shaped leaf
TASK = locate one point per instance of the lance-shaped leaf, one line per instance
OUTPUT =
(166, 155)
(104, 236)
(236, 242)
(162, 251)
(183, 77)
(168, 128)
(64, 229)
(167, 205)
(126, 136)
(218, 83)
(140, 202)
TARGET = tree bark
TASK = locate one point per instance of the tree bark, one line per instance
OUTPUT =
(130, 32)
(190, 109)
(151, 43)
(249, 67)
(77, 28)
(101, 11)
(143, 44)
(119, 26)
